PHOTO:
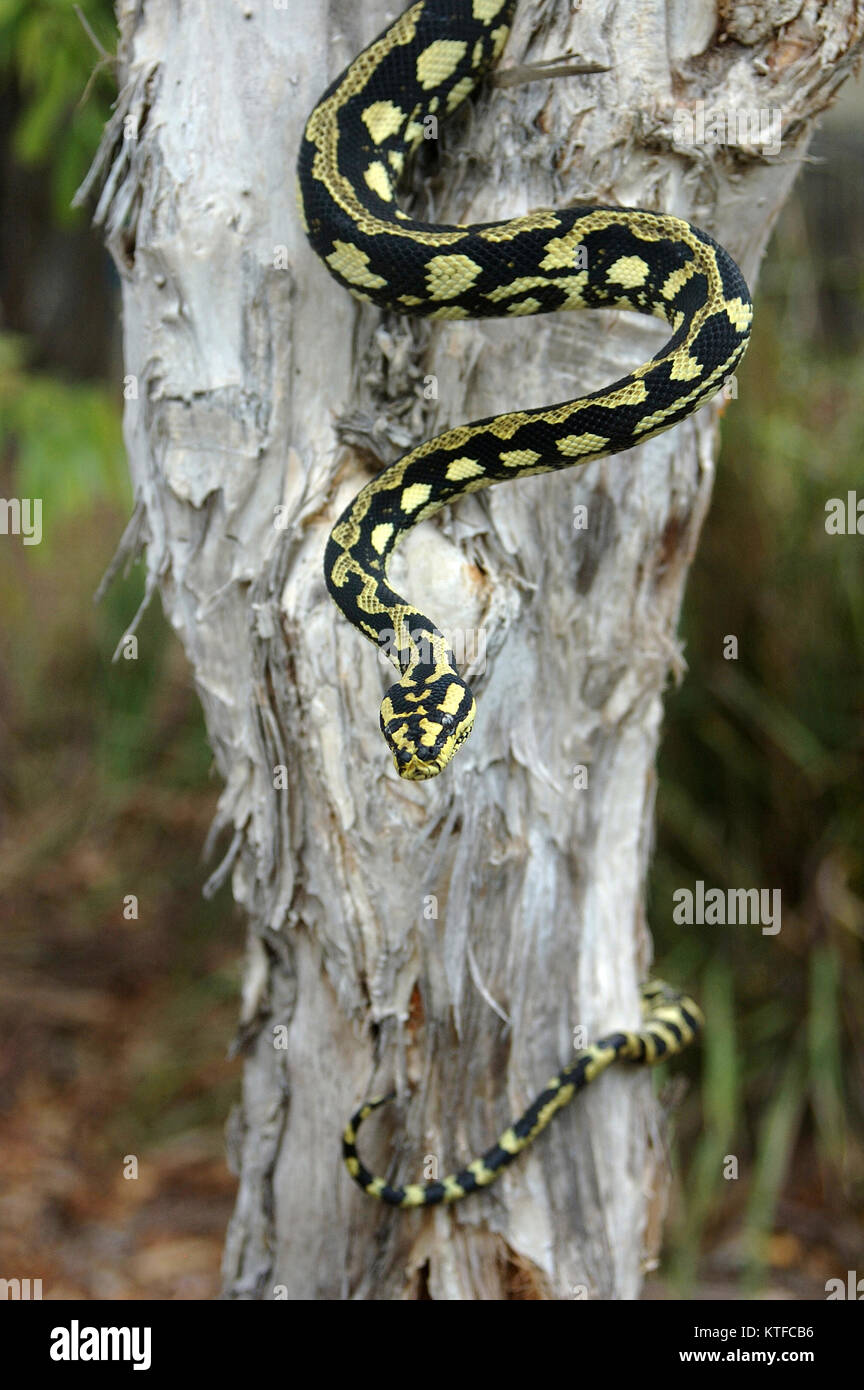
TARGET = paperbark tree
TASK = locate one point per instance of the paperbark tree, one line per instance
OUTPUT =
(449, 935)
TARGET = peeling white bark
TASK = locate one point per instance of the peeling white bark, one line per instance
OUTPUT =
(261, 386)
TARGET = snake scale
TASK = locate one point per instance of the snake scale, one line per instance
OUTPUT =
(355, 148)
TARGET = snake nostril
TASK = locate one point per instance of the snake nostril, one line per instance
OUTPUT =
(403, 756)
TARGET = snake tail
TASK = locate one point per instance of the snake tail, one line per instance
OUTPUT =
(671, 1021)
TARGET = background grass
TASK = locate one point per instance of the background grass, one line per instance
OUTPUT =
(761, 776)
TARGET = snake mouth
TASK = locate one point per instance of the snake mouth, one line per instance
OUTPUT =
(414, 769)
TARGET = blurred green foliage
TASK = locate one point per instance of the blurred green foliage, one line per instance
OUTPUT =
(66, 438)
(761, 786)
(64, 85)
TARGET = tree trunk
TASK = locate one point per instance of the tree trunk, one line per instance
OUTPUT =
(448, 935)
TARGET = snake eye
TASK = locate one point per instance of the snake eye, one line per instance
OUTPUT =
(447, 721)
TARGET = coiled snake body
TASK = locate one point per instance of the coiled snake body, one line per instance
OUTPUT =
(354, 150)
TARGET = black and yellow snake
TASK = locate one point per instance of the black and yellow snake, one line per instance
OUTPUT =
(354, 150)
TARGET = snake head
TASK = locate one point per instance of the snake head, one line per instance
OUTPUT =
(425, 722)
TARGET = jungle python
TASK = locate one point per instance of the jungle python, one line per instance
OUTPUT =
(354, 150)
